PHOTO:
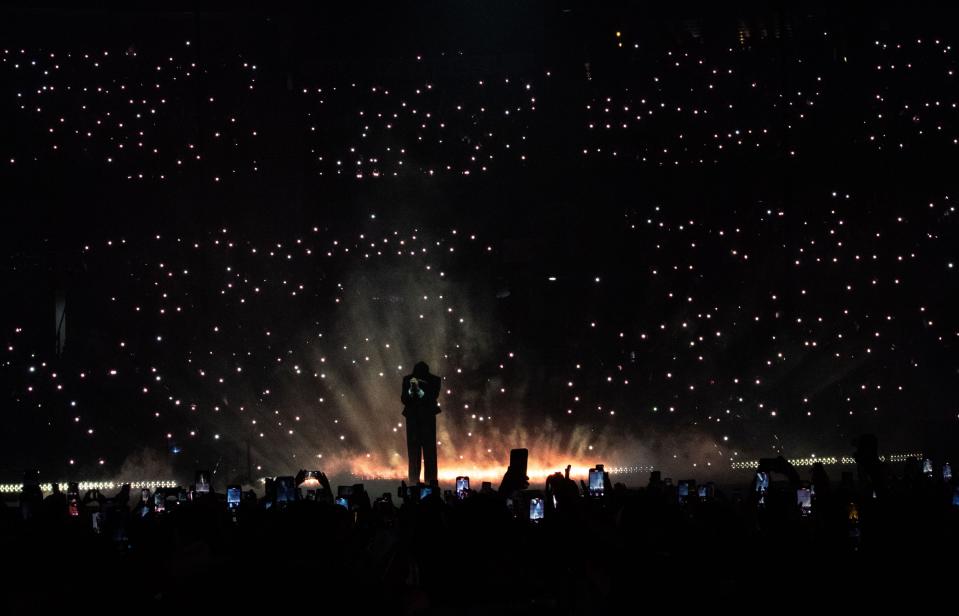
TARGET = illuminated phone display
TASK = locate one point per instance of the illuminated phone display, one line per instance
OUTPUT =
(596, 486)
(536, 509)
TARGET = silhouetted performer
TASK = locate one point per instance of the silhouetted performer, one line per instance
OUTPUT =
(420, 407)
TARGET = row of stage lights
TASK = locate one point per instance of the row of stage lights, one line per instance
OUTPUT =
(7, 488)
(826, 460)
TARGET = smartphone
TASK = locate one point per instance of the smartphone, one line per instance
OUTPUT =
(311, 481)
(285, 492)
(852, 511)
(203, 481)
(804, 500)
(536, 509)
(947, 472)
(342, 502)
(927, 466)
(596, 485)
(426, 491)
(702, 492)
(762, 482)
(955, 497)
(462, 486)
(682, 491)
(233, 494)
(73, 498)
(159, 501)
(519, 460)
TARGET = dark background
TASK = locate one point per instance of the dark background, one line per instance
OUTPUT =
(556, 213)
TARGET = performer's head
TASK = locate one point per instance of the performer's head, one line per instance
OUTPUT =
(421, 370)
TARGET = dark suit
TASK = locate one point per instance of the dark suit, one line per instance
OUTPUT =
(420, 413)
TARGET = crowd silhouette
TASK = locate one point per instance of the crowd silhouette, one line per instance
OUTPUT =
(571, 547)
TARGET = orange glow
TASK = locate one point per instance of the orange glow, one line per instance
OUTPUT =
(537, 471)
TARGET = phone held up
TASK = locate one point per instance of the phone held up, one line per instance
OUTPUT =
(597, 485)
(462, 486)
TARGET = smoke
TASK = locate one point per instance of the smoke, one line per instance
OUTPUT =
(320, 382)
(146, 465)
(344, 410)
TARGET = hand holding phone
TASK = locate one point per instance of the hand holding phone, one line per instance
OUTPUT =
(518, 461)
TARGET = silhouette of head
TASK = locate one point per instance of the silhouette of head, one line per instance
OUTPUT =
(867, 448)
(421, 370)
